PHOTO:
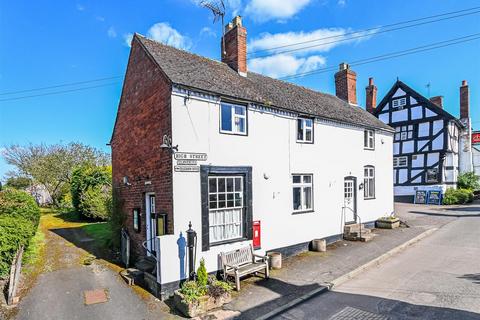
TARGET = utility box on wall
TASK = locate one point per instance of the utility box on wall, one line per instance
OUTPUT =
(256, 234)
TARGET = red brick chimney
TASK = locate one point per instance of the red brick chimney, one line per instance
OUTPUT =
(371, 96)
(346, 84)
(464, 100)
(438, 100)
(235, 52)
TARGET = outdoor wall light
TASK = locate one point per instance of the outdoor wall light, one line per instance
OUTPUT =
(167, 144)
(125, 181)
(360, 186)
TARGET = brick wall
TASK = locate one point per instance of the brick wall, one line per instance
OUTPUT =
(464, 101)
(371, 96)
(346, 84)
(143, 117)
(235, 46)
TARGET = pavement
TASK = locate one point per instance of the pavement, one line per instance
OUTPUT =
(437, 278)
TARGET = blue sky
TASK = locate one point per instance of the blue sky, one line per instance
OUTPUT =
(45, 43)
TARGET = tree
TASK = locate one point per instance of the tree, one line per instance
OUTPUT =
(468, 180)
(52, 165)
(20, 183)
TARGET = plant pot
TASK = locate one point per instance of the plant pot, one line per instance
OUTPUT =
(319, 245)
(387, 224)
(275, 260)
(200, 306)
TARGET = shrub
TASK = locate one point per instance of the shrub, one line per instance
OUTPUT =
(202, 275)
(218, 288)
(91, 191)
(14, 231)
(468, 180)
(191, 291)
(457, 196)
(18, 203)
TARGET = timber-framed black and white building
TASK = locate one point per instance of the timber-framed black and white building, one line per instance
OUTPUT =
(427, 142)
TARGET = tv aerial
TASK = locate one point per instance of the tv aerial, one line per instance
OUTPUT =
(218, 10)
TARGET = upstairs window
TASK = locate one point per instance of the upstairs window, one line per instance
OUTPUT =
(304, 130)
(233, 119)
(399, 103)
(369, 139)
(403, 133)
(302, 192)
(399, 162)
(369, 182)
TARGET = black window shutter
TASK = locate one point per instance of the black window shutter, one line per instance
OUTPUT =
(249, 208)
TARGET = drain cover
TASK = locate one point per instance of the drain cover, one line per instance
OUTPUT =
(349, 313)
(95, 296)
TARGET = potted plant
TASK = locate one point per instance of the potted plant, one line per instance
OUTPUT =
(196, 297)
(388, 222)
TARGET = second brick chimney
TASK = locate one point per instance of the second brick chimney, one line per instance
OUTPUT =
(235, 52)
(371, 96)
(346, 84)
(464, 101)
(438, 100)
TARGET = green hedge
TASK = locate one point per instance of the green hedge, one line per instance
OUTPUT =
(92, 192)
(18, 203)
(457, 196)
(19, 217)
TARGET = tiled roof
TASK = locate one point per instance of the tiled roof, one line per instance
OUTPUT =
(196, 72)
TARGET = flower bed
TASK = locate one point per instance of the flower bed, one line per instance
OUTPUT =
(197, 297)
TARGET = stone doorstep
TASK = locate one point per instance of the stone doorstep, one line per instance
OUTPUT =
(95, 296)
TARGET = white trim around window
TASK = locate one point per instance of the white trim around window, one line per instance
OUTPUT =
(302, 195)
(369, 182)
(305, 130)
(233, 119)
(369, 139)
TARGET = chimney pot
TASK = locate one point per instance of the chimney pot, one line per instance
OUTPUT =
(346, 84)
(235, 51)
(464, 83)
(371, 96)
(438, 100)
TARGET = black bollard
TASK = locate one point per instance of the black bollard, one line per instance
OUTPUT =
(191, 244)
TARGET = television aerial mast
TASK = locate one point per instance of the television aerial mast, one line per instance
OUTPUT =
(218, 10)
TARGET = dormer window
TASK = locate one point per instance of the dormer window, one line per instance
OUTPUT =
(304, 130)
(233, 119)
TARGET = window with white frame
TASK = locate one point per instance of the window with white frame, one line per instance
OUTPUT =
(399, 162)
(302, 192)
(369, 139)
(404, 133)
(304, 130)
(369, 182)
(399, 103)
(226, 204)
(233, 118)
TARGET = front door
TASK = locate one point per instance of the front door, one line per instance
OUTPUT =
(350, 200)
(151, 219)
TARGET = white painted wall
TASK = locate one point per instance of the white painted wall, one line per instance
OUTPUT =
(271, 149)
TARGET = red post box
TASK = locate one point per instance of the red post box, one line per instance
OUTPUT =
(256, 234)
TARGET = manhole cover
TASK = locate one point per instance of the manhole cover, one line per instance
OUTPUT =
(350, 313)
(95, 296)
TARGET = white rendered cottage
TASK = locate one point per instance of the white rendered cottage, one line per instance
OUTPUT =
(207, 142)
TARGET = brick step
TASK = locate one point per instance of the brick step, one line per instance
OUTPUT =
(358, 233)
(363, 238)
(353, 227)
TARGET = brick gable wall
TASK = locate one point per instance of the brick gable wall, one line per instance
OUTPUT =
(143, 117)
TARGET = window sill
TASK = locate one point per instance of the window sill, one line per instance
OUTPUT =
(373, 198)
(233, 133)
(370, 149)
(304, 142)
(227, 241)
(303, 211)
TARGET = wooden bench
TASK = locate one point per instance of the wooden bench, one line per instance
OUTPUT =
(243, 261)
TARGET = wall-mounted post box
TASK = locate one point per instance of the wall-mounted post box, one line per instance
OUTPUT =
(256, 234)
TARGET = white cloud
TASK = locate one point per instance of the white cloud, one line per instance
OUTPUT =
(128, 39)
(208, 32)
(111, 32)
(281, 65)
(164, 33)
(80, 7)
(342, 3)
(100, 18)
(286, 60)
(264, 10)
